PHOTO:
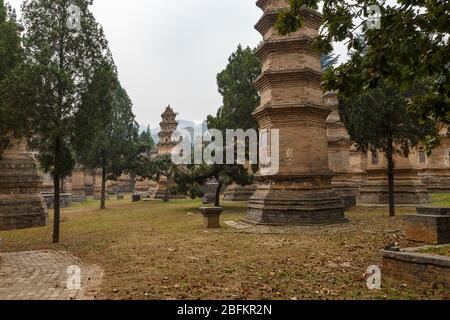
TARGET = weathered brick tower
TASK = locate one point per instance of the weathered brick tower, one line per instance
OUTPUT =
(168, 126)
(291, 101)
(165, 146)
(21, 203)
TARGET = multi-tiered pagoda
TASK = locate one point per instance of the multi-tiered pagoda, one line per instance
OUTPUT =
(21, 202)
(168, 126)
(291, 101)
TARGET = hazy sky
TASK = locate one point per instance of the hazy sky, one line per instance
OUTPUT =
(169, 52)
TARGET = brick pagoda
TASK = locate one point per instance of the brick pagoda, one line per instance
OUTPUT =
(21, 203)
(291, 101)
(165, 146)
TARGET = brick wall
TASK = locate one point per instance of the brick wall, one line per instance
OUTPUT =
(416, 268)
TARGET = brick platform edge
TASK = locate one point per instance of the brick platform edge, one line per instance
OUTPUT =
(416, 268)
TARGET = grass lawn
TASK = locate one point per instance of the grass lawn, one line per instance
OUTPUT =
(440, 251)
(154, 250)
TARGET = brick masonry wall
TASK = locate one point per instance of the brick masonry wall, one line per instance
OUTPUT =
(415, 268)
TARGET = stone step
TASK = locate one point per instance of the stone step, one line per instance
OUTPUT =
(433, 211)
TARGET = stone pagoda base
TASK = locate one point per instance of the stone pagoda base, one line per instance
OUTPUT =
(290, 200)
(158, 191)
(347, 189)
(239, 193)
(409, 189)
(21, 204)
(436, 181)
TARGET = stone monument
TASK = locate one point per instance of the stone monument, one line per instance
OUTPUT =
(21, 203)
(291, 101)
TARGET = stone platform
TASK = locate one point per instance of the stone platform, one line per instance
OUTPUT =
(409, 189)
(239, 193)
(429, 225)
(294, 200)
(65, 200)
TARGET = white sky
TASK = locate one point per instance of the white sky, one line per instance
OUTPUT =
(169, 51)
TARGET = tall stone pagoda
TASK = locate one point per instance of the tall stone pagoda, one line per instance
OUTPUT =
(168, 126)
(291, 101)
(21, 202)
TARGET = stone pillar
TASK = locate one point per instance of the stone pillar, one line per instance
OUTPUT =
(436, 168)
(409, 189)
(21, 204)
(78, 183)
(291, 101)
(339, 147)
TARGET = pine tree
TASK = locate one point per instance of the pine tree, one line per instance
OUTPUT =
(60, 58)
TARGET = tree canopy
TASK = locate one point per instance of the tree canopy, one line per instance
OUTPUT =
(10, 57)
(411, 43)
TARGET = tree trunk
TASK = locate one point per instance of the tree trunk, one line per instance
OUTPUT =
(167, 194)
(391, 166)
(103, 193)
(219, 188)
(57, 193)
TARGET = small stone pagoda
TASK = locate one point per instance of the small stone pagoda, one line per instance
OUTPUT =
(301, 193)
(339, 150)
(21, 203)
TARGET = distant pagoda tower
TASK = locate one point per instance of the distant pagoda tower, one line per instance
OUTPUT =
(291, 101)
(168, 126)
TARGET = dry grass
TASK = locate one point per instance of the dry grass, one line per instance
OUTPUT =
(154, 250)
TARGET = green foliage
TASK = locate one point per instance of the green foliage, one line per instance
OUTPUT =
(105, 128)
(10, 57)
(240, 97)
(411, 44)
(328, 61)
(158, 167)
(377, 120)
(146, 142)
(47, 88)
